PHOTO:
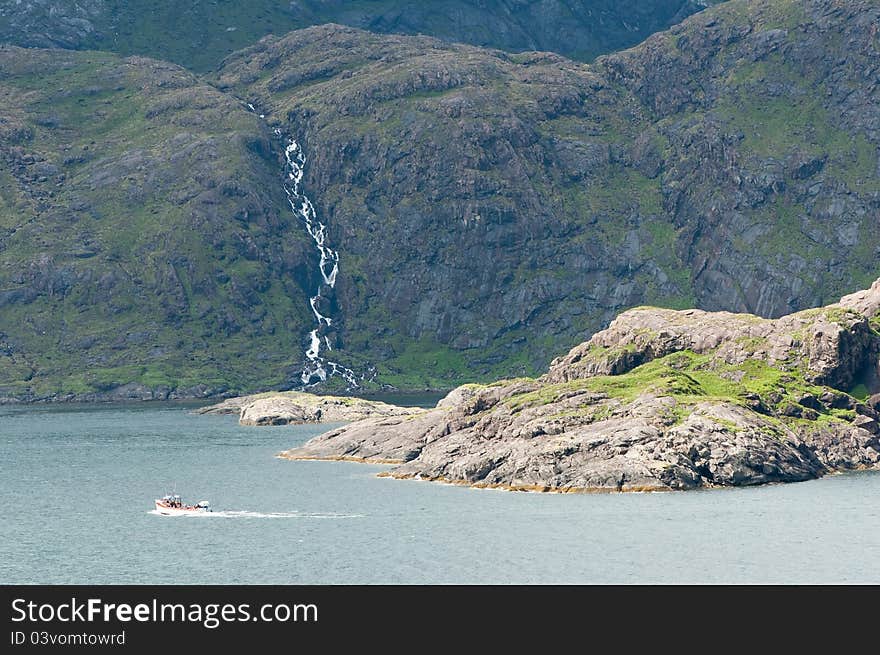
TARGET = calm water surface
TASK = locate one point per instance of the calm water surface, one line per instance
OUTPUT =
(79, 482)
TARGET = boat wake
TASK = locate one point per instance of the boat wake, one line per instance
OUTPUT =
(243, 514)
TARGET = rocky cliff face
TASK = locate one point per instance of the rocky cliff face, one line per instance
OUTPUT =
(661, 400)
(768, 114)
(441, 193)
(198, 34)
(494, 207)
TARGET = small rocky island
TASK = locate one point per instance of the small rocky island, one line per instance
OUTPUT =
(660, 400)
(286, 407)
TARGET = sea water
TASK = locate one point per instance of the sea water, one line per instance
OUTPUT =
(78, 485)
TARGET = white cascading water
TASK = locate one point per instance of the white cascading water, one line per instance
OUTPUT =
(318, 368)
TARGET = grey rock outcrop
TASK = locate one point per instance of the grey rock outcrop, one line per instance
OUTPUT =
(661, 400)
(283, 408)
(864, 302)
(832, 345)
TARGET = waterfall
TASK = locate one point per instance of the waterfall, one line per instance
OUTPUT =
(317, 367)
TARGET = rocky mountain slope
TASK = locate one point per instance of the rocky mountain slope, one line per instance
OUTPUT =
(489, 209)
(143, 250)
(493, 207)
(660, 400)
(198, 34)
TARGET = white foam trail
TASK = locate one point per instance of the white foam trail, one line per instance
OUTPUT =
(244, 514)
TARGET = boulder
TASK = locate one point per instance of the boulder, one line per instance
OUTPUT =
(285, 407)
(278, 410)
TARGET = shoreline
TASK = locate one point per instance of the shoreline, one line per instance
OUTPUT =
(193, 403)
(527, 488)
(96, 399)
(344, 458)
(546, 489)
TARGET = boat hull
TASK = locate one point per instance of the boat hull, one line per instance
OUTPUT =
(164, 510)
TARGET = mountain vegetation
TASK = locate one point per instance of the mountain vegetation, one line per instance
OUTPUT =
(491, 209)
(198, 34)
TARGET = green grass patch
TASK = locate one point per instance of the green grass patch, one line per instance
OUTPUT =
(860, 392)
(689, 378)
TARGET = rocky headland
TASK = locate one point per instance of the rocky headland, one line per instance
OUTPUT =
(660, 400)
(283, 408)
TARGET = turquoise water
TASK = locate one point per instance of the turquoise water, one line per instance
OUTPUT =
(79, 482)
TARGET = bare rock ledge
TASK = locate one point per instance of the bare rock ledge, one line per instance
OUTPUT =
(660, 400)
(285, 407)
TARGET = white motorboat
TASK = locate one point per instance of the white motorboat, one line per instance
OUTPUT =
(172, 505)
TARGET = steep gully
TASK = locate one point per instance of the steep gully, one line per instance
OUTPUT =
(317, 368)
